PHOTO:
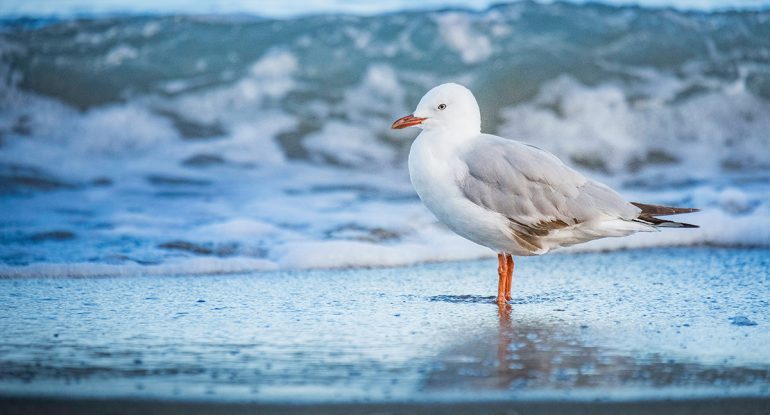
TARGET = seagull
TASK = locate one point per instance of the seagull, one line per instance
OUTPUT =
(507, 195)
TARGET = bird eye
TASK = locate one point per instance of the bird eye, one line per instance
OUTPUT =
(441, 106)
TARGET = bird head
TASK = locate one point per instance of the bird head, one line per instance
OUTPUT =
(451, 107)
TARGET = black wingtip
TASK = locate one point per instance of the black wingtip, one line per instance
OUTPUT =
(660, 210)
(662, 223)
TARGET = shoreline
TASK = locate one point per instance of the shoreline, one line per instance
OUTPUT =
(234, 265)
(626, 328)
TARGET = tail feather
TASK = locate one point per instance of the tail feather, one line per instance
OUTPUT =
(650, 212)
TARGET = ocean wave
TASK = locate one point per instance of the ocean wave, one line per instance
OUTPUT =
(265, 144)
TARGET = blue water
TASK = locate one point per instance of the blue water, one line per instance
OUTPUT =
(216, 144)
(643, 324)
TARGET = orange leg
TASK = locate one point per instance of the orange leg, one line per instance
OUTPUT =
(509, 277)
(502, 274)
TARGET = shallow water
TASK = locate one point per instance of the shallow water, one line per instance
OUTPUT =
(676, 323)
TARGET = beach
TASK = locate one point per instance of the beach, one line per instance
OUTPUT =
(206, 210)
(679, 329)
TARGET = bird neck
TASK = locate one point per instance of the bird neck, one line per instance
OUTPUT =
(454, 132)
(442, 142)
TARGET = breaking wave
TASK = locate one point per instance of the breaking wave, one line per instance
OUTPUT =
(231, 144)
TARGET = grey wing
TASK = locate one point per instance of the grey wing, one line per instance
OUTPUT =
(535, 190)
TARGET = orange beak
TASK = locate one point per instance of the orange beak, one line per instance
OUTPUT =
(408, 121)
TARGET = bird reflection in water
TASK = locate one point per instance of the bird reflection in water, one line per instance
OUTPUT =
(522, 354)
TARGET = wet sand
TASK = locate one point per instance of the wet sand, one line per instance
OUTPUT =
(716, 406)
(674, 330)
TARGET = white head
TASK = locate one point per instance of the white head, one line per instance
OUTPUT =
(450, 107)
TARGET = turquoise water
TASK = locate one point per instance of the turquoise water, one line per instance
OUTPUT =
(156, 144)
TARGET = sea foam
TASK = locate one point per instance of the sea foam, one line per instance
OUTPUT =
(213, 145)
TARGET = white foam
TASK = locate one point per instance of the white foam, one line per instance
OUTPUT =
(434, 245)
(120, 54)
(457, 31)
(604, 123)
(236, 229)
(735, 201)
(273, 71)
(349, 145)
(383, 81)
(254, 142)
(151, 29)
(186, 266)
(269, 78)
(75, 145)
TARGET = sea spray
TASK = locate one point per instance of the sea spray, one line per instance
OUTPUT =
(139, 135)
